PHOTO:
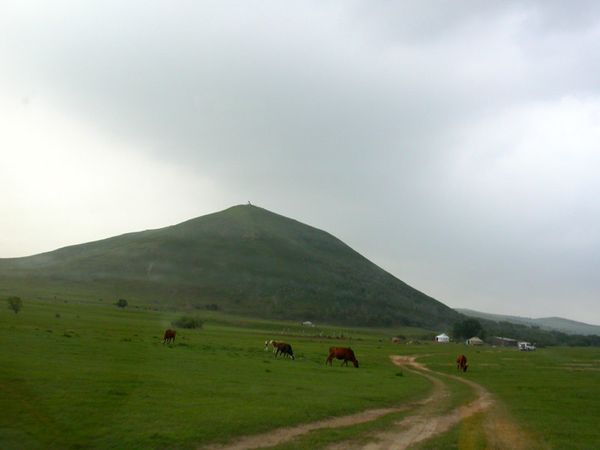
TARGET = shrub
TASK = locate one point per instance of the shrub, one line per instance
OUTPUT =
(188, 322)
(468, 328)
(121, 303)
(15, 303)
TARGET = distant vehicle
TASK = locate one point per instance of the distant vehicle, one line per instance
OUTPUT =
(526, 347)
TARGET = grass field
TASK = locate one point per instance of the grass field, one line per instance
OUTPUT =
(83, 375)
(90, 375)
(552, 393)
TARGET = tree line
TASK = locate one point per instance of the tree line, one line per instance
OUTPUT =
(470, 327)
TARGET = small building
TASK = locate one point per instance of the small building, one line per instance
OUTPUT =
(308, 323)
(442, 338)
(474, 341)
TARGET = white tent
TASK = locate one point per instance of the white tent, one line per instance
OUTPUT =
(443, 338)
(474, 341)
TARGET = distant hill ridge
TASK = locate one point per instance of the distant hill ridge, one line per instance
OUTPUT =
(245, 260)
(545, 323)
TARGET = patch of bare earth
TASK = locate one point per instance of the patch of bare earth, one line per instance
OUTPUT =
(280, 435)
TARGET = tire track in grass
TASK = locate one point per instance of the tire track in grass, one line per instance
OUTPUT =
(430, 419)
(282, 435)
(51, 435)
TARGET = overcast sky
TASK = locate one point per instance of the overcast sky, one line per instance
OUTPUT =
(456, 144)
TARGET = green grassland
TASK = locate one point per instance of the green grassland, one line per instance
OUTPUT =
(91, 375)
(95, 376)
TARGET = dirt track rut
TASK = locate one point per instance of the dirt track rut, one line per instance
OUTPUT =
(427, 421)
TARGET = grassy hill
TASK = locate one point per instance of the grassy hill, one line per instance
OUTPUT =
(546, 323)
(245, 260)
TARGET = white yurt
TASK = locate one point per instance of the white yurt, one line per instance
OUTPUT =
(474, 341)
(442, 338)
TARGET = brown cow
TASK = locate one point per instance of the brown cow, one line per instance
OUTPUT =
(169, 336)
(344, 353)
(461, 363)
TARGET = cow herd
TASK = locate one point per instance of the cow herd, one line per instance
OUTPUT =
(344, 354)
(283, 348)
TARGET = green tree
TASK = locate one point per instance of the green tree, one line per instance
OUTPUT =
(468, 328)
(121, 303)
(15, 303)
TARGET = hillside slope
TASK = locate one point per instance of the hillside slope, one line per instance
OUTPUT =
(245, 259)
(545, 323)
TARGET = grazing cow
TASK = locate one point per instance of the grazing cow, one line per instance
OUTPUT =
(271, 343)
(344, 353)
(280, 348)
(169, 336)
(461, 363)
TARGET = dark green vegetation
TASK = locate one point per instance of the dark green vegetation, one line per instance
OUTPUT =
(121, 303)
(244, 260)
(546, 323)
(96, 376)
(15, 304)
(538, 336)
(468, 328)
(187, 321)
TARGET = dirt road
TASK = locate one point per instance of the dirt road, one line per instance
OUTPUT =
(427, 422)
(430, 418)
